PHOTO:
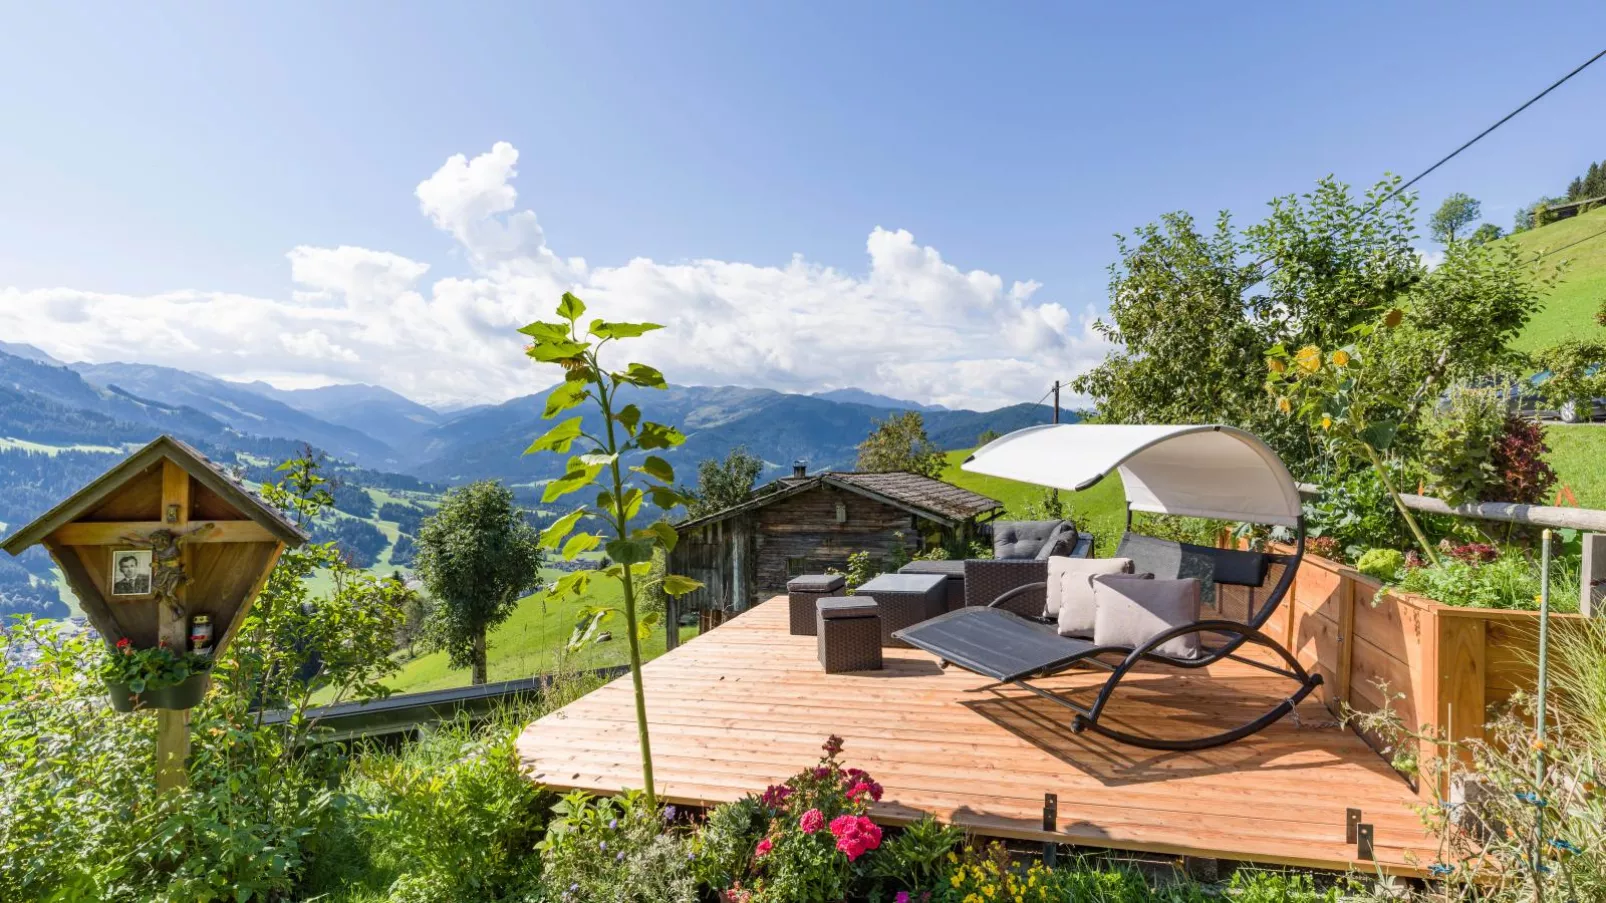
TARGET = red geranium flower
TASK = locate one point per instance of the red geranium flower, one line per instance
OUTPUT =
(812, 820)
(763, 848)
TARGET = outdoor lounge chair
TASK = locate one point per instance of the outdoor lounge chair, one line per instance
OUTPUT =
(1212, 472)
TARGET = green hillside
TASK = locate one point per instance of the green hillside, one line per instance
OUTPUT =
(1101, 509)
(1569, 312)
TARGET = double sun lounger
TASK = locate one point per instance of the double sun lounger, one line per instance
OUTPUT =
(1174, 470)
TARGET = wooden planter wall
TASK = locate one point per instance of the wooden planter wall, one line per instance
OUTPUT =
(1446, 668)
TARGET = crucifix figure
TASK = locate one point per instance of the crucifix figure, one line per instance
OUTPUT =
(167, 563)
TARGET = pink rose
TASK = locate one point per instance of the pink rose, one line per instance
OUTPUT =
(763, 848)
(812, 820)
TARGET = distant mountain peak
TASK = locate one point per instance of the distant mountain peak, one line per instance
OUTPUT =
(28, 352)
(870, 399)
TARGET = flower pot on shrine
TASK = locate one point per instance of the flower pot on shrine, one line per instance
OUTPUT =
(184, 695)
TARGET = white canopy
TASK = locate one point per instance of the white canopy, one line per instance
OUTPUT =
(1217, 472)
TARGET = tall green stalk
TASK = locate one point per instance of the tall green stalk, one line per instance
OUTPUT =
(618, 504)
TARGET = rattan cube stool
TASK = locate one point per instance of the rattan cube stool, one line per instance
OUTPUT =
(905, 600)
(801, 593)
(848, 631)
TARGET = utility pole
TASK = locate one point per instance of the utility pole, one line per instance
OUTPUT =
(1056, 401)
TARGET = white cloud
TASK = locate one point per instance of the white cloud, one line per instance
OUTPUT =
(914, 325)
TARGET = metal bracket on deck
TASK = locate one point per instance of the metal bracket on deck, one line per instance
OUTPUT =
(1352, 817)
(1363, 842)
(1051, 811)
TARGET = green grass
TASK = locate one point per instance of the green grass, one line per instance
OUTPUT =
(1100, 509)
(1578, 455)
(531, 641)
(1569, 311)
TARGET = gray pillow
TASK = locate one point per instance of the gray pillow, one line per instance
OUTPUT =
(1017, 539)
(1070, 591)
(1060, 542)
(1132, 611)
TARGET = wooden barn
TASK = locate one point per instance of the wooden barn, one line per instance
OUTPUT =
(805, 524)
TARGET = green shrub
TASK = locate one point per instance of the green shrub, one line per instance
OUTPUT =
(1457, 448)
(1510, 581)
(1382, 564)
(618, 850)
(724, 843)
(916, 858)
(451, 815)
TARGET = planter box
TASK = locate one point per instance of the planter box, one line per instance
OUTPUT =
(1445, 667)
(185, 695)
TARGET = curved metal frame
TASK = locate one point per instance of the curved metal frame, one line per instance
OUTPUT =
(1237, 633)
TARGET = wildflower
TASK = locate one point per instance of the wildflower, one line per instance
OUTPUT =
(902, 897)
(812, 821)
(1340, 358)
(1538, 745)
(669, 813)
(1393, 318)
(1327, 421)
(833, 745)
(763, 848)
(1276, 365)
(1309, 358)
(1284, 406)
(613, 824)
(602, 844)
(620, 857)
(123, 644)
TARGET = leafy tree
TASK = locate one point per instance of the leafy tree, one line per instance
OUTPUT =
(1456, 213)
(986, 437)
(630, 545)
(477, 556)
(721, 484)
(1486, 233)
(1192, 317)
(1577, 370)
(899, 443)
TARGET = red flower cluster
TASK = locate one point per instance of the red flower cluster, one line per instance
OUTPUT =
(774, 796)
(763, 848)
(855, 835)
(832, 745)
(812, 820)
(866, 786)
(123, 646)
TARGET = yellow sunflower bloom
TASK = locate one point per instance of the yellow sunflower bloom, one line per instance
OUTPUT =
(1393, 318)
(1309, 358)
(1276, 365)
(1340, 358)
(1284, 405)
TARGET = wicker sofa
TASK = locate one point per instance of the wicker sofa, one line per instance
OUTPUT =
(979, 581)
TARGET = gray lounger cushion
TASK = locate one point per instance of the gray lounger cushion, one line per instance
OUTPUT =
(1133, 610)
(1070, 591)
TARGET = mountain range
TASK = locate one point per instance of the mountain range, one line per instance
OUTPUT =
(47, 402)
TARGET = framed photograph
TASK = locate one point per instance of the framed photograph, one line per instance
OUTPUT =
(131, 572)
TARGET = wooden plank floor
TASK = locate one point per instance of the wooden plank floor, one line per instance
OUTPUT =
(747, 705)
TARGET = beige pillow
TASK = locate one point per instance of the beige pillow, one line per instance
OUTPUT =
(1070, 595)
(1132, 611)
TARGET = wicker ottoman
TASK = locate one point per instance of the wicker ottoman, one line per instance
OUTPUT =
(801, 593)
(953, 570)
(849, 633)
(905, 600)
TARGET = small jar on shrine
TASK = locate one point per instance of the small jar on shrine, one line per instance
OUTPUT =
(201, 634)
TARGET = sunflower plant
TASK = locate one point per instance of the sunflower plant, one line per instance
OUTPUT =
(1346, 402)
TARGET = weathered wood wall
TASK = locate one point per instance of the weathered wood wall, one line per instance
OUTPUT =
(747, 558)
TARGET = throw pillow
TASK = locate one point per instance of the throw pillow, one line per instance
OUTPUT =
(1070, 592)
(1131, 611)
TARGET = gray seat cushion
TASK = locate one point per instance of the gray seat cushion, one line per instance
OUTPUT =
(1022, 538)
(1133, 610)
(832, 608)
(815, 583)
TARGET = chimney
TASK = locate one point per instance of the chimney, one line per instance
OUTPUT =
(800, 469)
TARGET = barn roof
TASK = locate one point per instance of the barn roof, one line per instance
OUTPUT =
(163, 447)
(929, 498)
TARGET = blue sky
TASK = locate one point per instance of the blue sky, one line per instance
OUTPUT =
(190, 148)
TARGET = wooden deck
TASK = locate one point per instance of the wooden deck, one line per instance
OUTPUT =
(747, 705)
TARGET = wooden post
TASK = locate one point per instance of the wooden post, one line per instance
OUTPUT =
(1346, 634)
(1592, 581)
(671, 622)
(173, 726)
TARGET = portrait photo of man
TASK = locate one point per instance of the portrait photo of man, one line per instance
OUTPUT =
(131, 573)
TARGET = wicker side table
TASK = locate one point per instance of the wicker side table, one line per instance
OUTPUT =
(906, 600)
(801, 594)
(849, 634)
(953, 570)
